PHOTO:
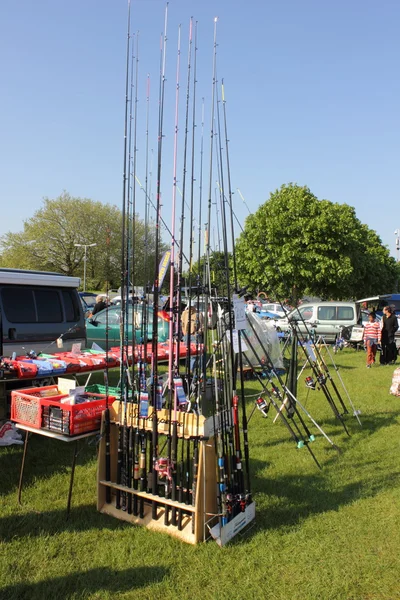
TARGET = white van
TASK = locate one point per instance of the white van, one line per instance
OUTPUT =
(326, 318)
(38, 308)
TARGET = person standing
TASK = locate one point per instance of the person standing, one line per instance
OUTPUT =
(192, 325)
(101, 304)
(371, 337)
(193, 331)
(389, 327)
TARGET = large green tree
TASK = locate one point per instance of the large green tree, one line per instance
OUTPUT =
(48, 242)
(296, 244)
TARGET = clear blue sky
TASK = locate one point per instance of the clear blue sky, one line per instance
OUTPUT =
(312, 90)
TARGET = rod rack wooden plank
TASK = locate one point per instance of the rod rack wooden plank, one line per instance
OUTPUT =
(149, 497)
(190, 425)
(185, 534)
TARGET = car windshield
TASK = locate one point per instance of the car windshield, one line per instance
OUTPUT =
(365, 314)
(113, 315)
(89, 299)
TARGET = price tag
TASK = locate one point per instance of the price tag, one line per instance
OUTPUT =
(144, 405)
(240, 312)
(235, 341)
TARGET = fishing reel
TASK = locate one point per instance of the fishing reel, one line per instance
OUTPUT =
(290, 407)
(321, 378)
(230, 500)
(262, 406)
(275, 391)
(241, 499)
(310, 383)
(163, 466)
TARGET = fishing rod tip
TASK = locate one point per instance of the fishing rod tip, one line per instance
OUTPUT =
(215, 19)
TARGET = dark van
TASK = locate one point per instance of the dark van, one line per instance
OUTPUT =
(39, 311)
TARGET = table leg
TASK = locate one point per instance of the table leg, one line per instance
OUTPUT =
(71, 481)
(21, 474)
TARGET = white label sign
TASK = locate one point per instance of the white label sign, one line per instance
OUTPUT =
(235, 341)
(240, 312)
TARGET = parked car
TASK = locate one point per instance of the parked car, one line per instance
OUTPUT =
(106, 323)
(275, 308)
(377, 303)
(326, 318)
(36, 309)
(117, 299)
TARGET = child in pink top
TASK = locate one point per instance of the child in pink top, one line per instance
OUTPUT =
(371, 337)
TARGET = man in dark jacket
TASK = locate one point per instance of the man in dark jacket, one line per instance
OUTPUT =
(101, 304)
(389, 327)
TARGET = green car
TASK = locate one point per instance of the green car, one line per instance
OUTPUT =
(109, 320)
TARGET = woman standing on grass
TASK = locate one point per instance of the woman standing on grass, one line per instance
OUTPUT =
(371, 337)
(389, 328)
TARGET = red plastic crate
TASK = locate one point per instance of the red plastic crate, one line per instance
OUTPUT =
(73, 419)
(26, 404)
(36, 408)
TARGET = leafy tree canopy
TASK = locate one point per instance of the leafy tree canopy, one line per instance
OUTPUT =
(48, 240)
(296, 244)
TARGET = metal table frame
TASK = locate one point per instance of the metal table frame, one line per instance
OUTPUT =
(54, 436)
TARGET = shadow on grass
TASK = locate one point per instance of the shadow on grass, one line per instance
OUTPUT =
(370, 423)
(303, 495)
(102, 579)
(44, 458)
(53, 522)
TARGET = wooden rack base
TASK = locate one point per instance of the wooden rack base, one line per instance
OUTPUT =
(202, 511)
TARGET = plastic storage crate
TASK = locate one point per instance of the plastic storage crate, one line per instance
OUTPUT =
(73, 419)
(42, 408)
(26, 407)
(96, 388)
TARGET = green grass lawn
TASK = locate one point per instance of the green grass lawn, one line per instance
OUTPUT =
(331, 534)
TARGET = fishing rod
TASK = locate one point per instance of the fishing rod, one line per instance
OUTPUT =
(188, 375)
(268, 362)
(168, 230)
(183, 202)
(107, 423)
(235, 276)
(322, 380)
(300, 442)
(313, 365)
(143, 358)
(178, 322)
(336, 368)
(288, 406)
(122, 431)
(154, 376)
(135, 307)
(231, 400)
(127, 448)
(199, 386)
(170, 477)
(218, 437)
(128, 469)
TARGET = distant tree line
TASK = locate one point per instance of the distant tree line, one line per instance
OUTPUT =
(296, 245)
(293, 245)
(48, 242)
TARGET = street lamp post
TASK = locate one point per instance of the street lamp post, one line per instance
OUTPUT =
(85, 246)
(397, 234)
